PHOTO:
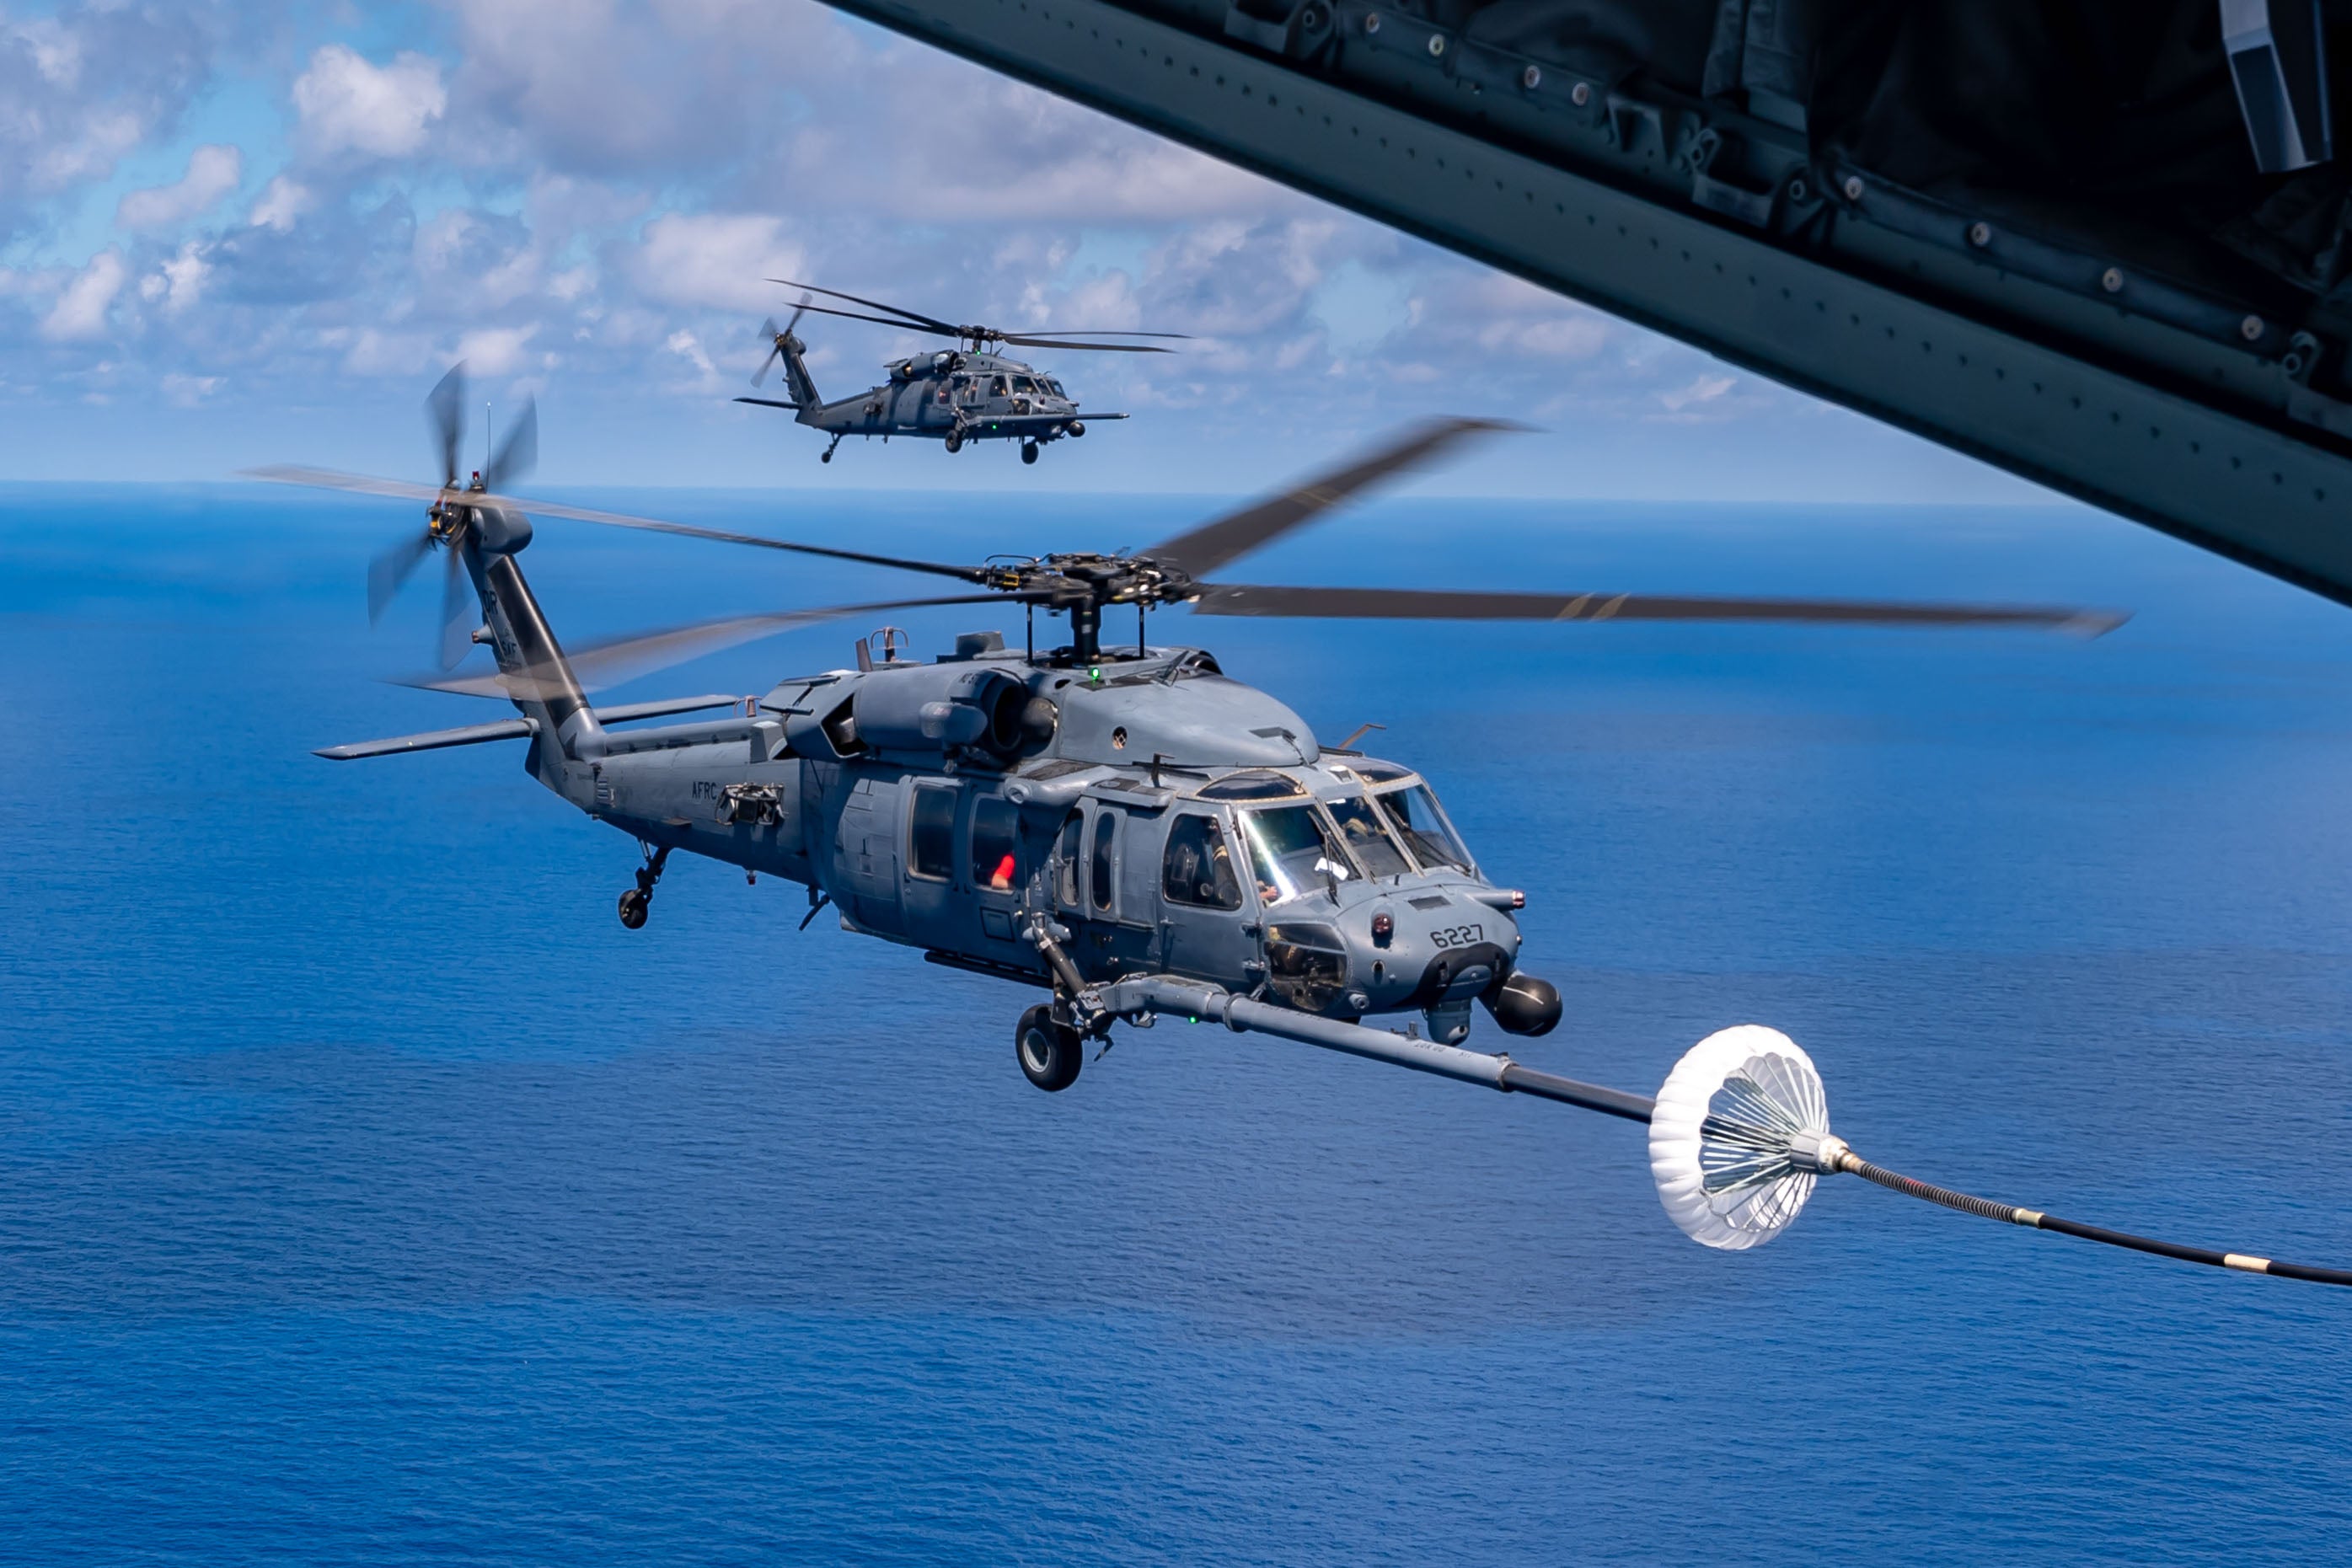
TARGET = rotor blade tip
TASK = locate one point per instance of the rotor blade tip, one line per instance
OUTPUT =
(2089, 623)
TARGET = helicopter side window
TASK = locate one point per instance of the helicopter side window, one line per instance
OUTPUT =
(1364, 832)
(1066, 853)
(1290, 851)
(1414, 813)
(1105, 841)
(1023, 385)
(995, 854)
(931, 838)
(1197, 869)
(1001, 389)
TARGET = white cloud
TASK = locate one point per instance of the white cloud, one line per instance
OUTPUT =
(178, 282)
(383, 111)
(1703, 389)
(281, 202)
(688, 347)
(214, 170)
(371, 351)
(495, 350)
(79, 312)
(84, 86)
(187, 392)
(717, 259)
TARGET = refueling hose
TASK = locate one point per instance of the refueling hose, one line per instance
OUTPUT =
(2035, 1220)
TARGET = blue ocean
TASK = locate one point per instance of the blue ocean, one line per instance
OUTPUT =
(367, 1195)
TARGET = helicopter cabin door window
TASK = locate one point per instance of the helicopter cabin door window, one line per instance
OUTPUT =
(1066, 851)
(1198, 869)
(931, 849)
(995, 849)
(1102, 863)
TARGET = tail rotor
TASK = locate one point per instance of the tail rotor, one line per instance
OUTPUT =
(775, 341)
(448, 518)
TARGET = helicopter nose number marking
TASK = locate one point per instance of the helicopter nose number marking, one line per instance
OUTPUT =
(1457, 936)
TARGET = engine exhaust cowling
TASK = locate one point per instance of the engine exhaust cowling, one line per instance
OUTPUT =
(931, 709)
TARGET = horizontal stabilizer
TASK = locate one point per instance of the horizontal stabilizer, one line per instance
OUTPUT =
(518, 728)
(431, 740)
(769, 402)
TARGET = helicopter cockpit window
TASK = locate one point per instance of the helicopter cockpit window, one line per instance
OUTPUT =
(1023, 385)
(995, 852)
(1373, 772)
(1291, 851)
(1368, 836)
(931, 839)
(1198, 869)
(1055, 388)
(1413, 812)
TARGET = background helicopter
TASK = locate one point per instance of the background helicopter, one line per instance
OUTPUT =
(969, 393)
(1122, 826)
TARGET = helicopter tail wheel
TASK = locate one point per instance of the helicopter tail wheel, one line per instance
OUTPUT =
(1028, 452)
(1051, 1051)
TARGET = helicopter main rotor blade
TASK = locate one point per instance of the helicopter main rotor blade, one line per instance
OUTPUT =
(1025, 341)
(917, 317)
(884, 320)
(518, 453)
(1237, 534)
(362, 484)
(445, 413)
(1096, 332)
(597, 665)
(391, 569)
(1446, 604)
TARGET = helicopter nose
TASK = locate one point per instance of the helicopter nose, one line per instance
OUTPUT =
(1432, 950)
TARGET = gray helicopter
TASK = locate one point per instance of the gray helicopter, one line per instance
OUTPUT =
(966, 394)
(1123, 827)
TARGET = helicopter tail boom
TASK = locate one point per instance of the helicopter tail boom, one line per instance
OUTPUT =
(533, 670)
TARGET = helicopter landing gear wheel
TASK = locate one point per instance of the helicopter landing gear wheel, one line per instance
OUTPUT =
(1028, 452)
(955, 441)
(825, 455)
(637, 904)
(1051, 1051)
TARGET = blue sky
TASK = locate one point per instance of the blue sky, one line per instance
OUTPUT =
(232, 234)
